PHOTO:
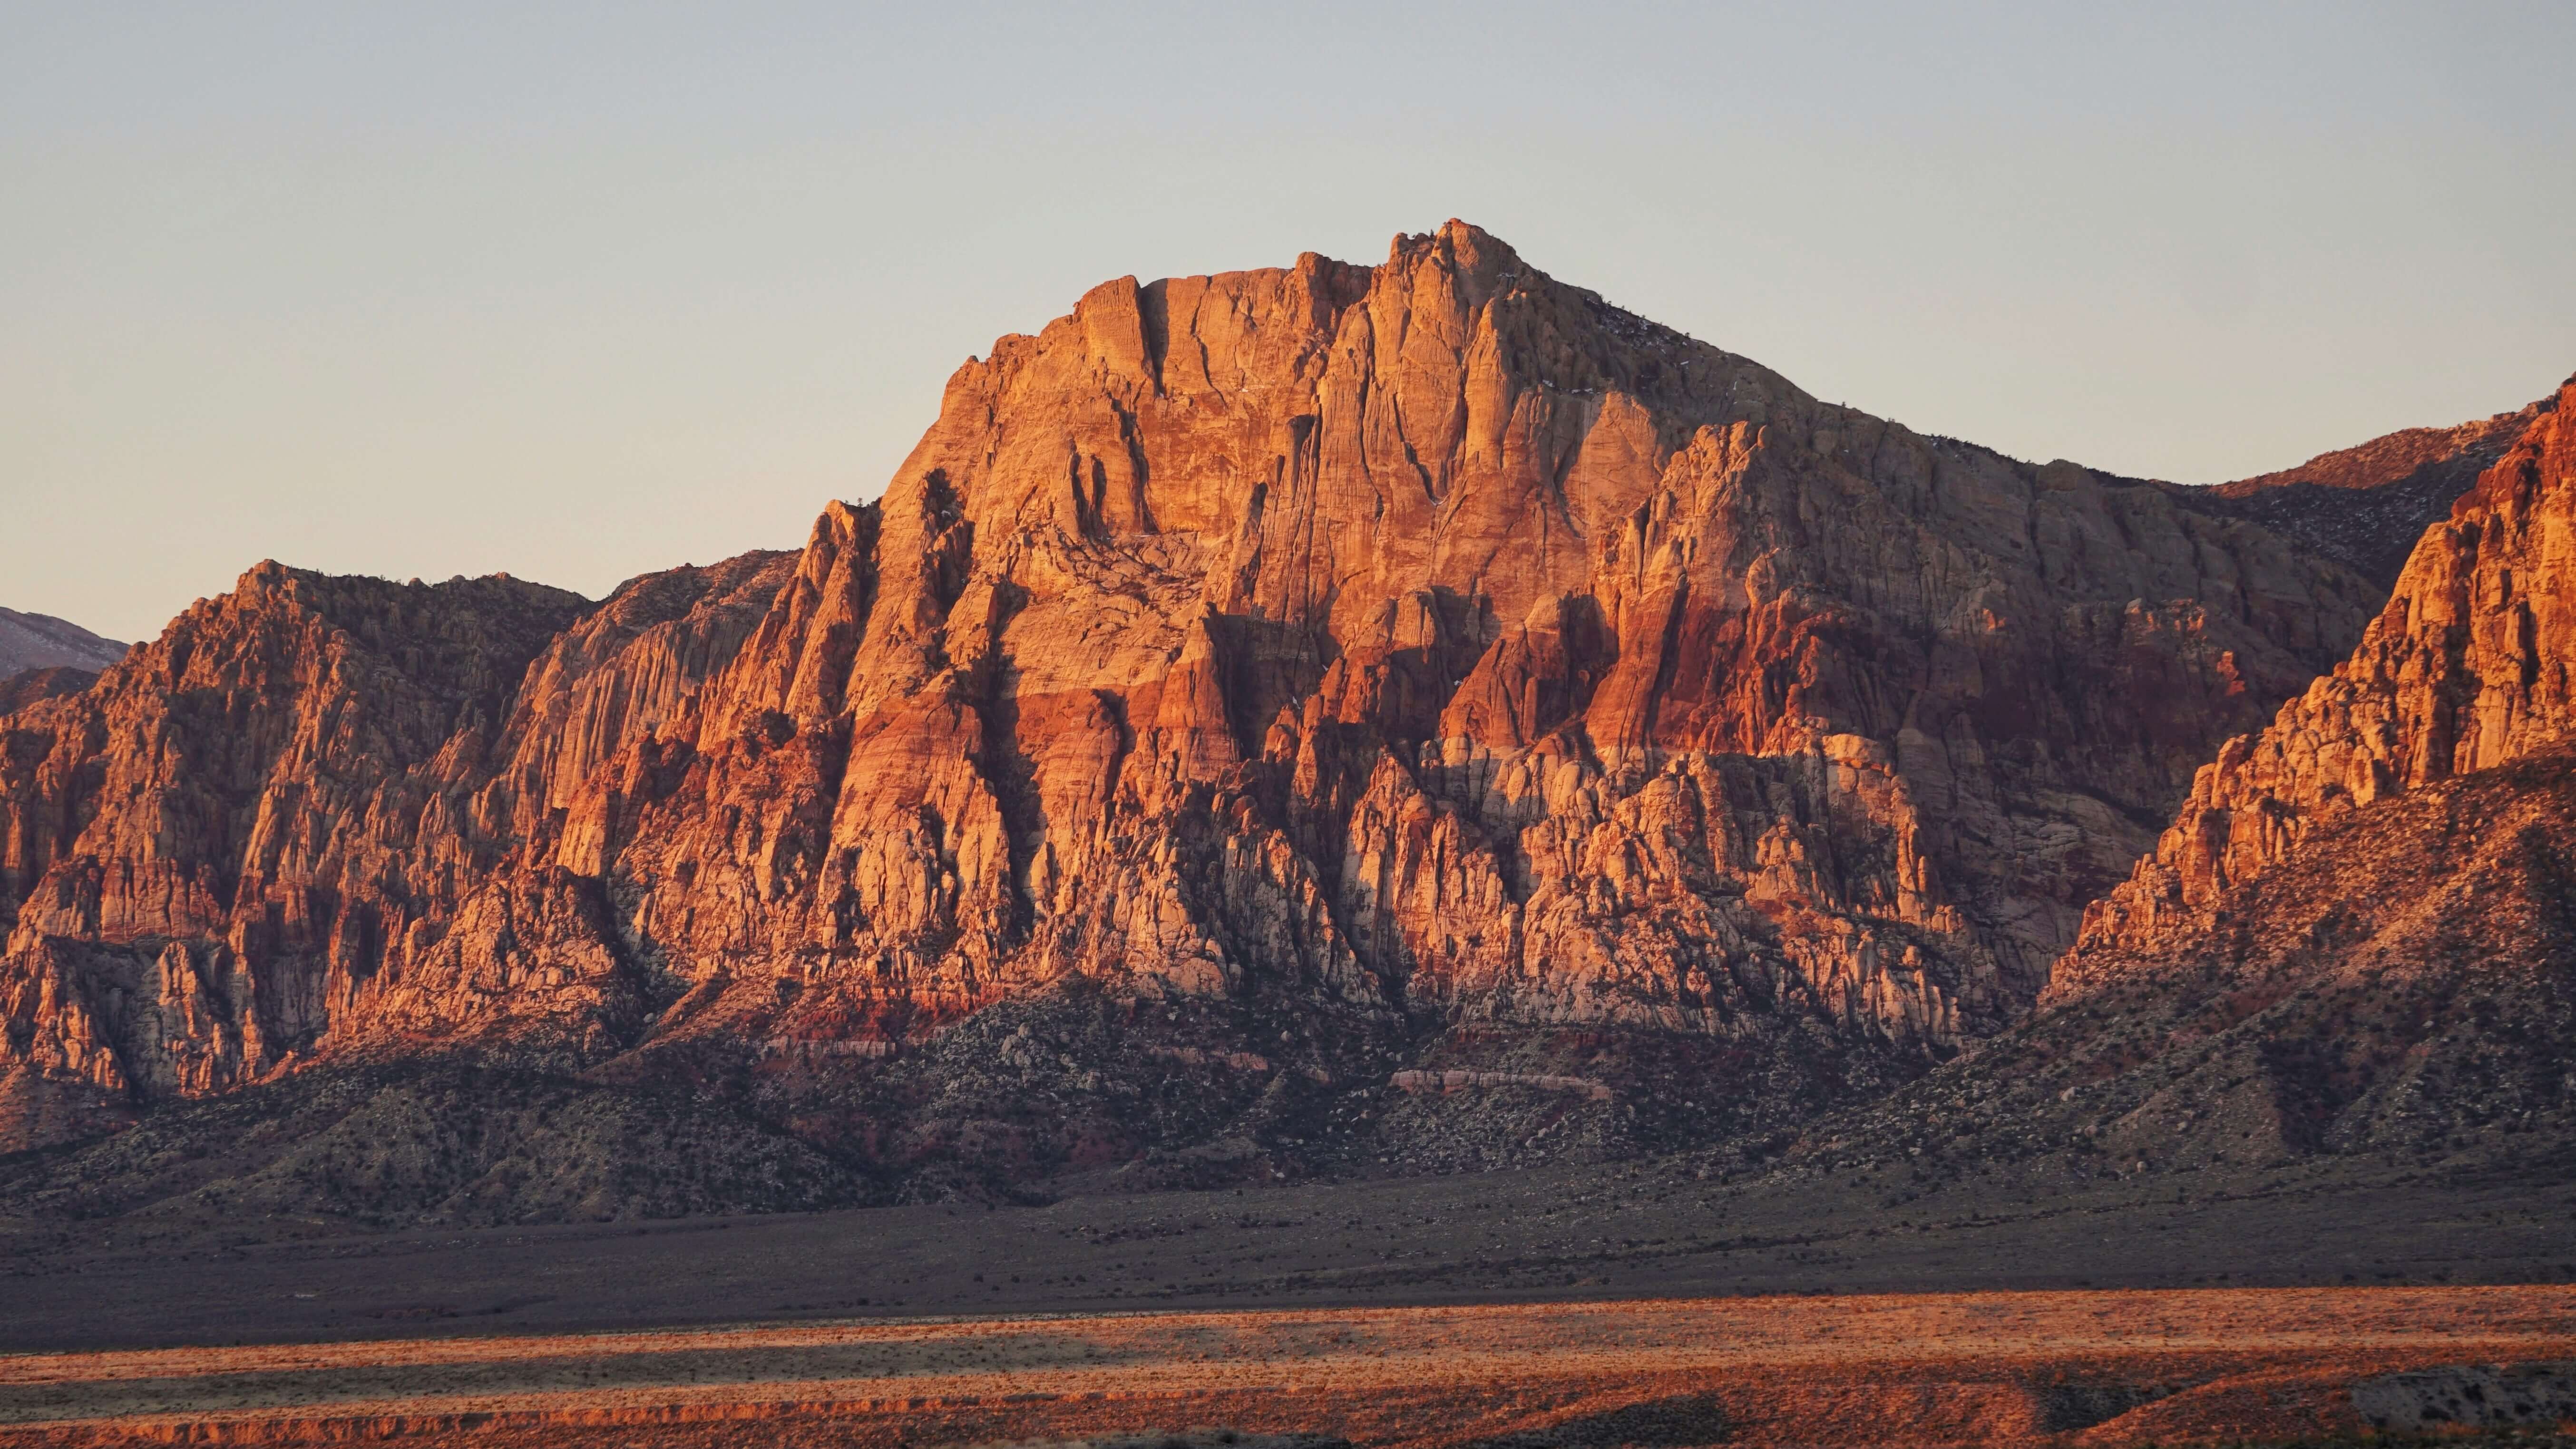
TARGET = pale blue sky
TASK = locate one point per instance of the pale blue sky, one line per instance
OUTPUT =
(580, 291)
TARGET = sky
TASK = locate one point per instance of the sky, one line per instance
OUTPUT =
(575, 292)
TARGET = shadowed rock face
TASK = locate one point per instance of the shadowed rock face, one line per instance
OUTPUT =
(35, 686)
(1406, 659)
(2365, 506)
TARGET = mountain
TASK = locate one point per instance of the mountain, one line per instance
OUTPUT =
(1331, 719)
(2464, 670)
(2358, 938)
(2364, 506)
(42, 658)
(41, 641)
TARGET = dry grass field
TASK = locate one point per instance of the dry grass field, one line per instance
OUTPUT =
(2095, 1368)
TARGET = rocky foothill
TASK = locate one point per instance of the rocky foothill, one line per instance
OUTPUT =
(2364, 506)
(1335, 720)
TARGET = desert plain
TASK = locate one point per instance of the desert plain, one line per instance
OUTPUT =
(2108, 1368)
(1613, 1306)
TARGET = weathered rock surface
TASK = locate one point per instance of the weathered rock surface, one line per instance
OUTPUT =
(1343, 669)
(41, 641)
(1434, 638)
(2400, 987)
(208, 857)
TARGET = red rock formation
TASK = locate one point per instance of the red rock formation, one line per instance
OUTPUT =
(1439, 636)
(2357, 938)
(1386, 647)
(2465, 669)
(205, 857)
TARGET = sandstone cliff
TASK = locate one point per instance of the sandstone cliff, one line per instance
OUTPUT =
(1436, 637)
(207, 855)
(1257, 683)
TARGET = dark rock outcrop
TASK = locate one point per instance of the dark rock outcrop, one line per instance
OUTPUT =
(2365, 506)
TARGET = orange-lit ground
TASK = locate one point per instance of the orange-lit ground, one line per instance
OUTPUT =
(2092, 1368)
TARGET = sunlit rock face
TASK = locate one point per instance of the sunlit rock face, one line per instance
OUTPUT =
(1395, 657)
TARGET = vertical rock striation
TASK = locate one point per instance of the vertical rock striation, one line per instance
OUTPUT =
(1436, 638)
(207, 857)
